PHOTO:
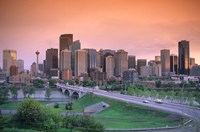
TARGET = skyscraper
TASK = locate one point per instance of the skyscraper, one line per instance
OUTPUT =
(65, 59)
(92, 60)
(51, 61)
(110, 65)
(80, 62)
(140, 63)
(20, 65)
(165, 62)
(76, 45)
(174, 64)
(157, 59)
(121, 62)
(192, 62)
(65, 41)
(9, 59)
(131, 61)
(184, 57)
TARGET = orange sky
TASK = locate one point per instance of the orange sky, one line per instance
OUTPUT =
(141, 27)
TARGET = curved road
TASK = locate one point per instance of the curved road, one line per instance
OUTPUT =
(185, 110)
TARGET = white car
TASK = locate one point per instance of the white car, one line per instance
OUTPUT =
(159, 101)
(145, 101)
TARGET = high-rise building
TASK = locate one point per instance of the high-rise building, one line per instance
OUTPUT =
(92, 60)
(98, 60)
(131, 61)
(13, 70)
(184, 57)
(174, 64)
(80, 62)
(20, 65)
(34, 69)
(9, 59)
(65, 41)
(76, 45)
(121, 62)
(103, 54)
(41, 68)
(130, 75)
(140, 63)
(192, 62)
(110, 65)
(65, 59)
(157, 59)
(165, 62)
(51, 61)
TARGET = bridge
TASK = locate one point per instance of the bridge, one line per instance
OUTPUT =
(71, 91)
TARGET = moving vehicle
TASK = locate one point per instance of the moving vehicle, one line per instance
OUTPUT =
(159, 101)
(145, 101)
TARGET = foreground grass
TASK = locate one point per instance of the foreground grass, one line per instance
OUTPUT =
(120, 115)
(125, 115)
(25, 130)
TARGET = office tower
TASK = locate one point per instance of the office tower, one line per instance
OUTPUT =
(131, 61)
(64, 42)
(140, 63)
(130, 75)
(165, 62)
(9, 59)
(51, 62)
(192, 62)
(65, 59)
(34, 69)
(174, 64)
(92, 61)
(13, 70)
(110, 65)
(41, 68)
(37, 59)
(98, 60)
(80, 62)
(184, 57)
(121, 62)
(152, 62)
(20, 65)
(157, 59)
(103, 54)
(195, 71)
(146, 70)
(76, 45)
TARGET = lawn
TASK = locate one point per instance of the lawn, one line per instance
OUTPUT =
(119, 115)
(125, 115)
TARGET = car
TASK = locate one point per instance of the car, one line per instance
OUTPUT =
(145, 101)
(159, 101)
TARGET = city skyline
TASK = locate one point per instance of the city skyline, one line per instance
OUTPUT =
(141, 28)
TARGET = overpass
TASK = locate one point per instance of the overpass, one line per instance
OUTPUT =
(189, 111)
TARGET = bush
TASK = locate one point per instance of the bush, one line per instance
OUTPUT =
(83, 123)
(56, 105)
(31, 114)
(158, 83)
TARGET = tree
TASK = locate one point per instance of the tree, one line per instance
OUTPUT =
(3, 95)
(52, 83)
(31, 113)
(48, 93)
(28, 91)
(14, 92)
(38, 83)
(158, 83)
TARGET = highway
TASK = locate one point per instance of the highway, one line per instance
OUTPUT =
(185, 110)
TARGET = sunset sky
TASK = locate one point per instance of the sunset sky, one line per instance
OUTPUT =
(141, 27)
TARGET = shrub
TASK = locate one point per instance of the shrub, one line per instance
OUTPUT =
(56, 105)
(83, 123)
(31, 114)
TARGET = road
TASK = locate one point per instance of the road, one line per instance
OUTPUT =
(185, 110)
